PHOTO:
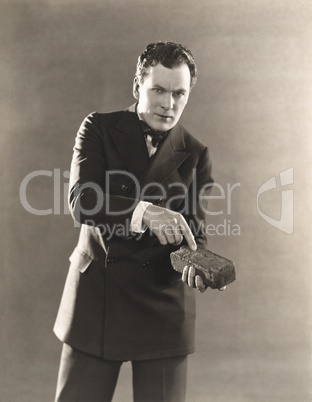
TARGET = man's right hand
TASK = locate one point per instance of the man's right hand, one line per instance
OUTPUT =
(169, 226)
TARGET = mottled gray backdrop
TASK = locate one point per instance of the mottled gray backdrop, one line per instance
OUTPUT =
(61, 60)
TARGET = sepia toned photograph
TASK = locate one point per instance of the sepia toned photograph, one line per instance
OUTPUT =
(156, 160)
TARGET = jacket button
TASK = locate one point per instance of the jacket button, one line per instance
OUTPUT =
(124, 187)
(146, 265)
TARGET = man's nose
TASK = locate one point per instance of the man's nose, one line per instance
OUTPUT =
(167, 101)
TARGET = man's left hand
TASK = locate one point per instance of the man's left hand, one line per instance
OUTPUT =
(194, 281)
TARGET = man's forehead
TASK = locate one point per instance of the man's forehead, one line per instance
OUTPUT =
(179, 76)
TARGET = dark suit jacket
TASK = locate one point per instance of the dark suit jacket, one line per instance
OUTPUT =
(122, 299)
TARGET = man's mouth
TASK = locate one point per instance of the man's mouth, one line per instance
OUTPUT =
(164, 117)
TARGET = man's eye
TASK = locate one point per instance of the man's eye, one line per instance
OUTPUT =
(158, 90)
(179, 94)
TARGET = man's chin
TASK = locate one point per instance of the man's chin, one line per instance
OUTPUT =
(163, 126)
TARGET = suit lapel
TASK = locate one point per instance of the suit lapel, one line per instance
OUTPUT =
(130, 142)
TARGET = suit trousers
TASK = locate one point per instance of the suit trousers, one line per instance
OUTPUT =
(87, 378)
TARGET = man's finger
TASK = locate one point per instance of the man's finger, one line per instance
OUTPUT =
(178, 234)
(179, 239)
(162, 238)
(200, 284)
(191, 277)
(185, 274)
(172, 234)
(188, 235)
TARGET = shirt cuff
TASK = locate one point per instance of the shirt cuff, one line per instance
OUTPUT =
(136, 224)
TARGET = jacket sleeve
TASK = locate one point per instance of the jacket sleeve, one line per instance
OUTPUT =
(89, 200)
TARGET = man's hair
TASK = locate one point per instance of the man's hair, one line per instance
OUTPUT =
(170, 55)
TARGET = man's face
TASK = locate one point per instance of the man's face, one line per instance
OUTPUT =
(162, 95)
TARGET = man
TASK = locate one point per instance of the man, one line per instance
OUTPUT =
(138, 185)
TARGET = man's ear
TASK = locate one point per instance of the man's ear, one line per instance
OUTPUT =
(136, 88)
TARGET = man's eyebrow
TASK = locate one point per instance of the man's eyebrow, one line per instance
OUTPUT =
(175, 90)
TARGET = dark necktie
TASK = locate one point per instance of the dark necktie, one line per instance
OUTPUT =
(157, 136)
